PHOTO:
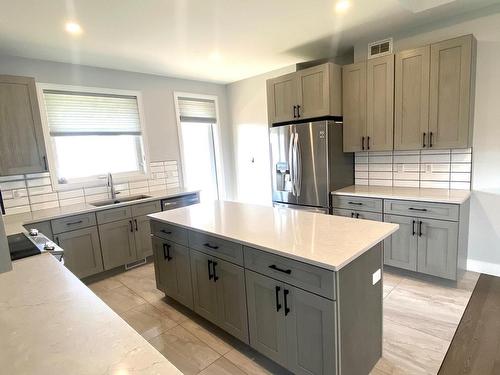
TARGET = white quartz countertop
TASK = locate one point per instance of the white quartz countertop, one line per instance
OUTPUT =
(323, 240)
(454, 196)
(51, 323)
(14, 223)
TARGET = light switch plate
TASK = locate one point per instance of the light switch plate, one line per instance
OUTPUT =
(376, 276)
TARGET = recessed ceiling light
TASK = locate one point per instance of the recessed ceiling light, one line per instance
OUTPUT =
(215, 56)
(342, 6)
(73, 28)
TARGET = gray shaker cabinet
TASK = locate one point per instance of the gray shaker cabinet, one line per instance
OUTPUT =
(400, 249)
(204, 289)
(82, 251)
(265, 316)
(117, 243)
(143, 237)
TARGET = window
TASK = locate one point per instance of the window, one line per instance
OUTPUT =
(92, 133)
(199, 140)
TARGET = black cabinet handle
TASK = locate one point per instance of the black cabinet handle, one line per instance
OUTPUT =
(367, 143)
(278, 304)
(213, 247)
(420, 228)
(75, 222)
(215, 273)
(45, 165)
(131, 226)
(285, 295)
(166, 252)
(298, 111)
(210, 275)
(362, 143)
(136, 226)
(430, 139)
(276, 268)
(355, 203)
(166, 231)
(413, 228)
(357, 215)
(418, 209)
(352, 214)
(423, 139)
(294, 111)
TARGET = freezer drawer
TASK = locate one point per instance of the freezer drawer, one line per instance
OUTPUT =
(182, 201)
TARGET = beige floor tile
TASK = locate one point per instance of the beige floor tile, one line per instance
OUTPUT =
(222, 367)
(104, 285)
(391, 280)
(143, 286)
(212, 336)
(147, 320)
(186, 352)
(174, 310)
(253, 363)
(409, 351)
(120, 299)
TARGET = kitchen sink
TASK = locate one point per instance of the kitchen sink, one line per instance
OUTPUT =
(109, 202)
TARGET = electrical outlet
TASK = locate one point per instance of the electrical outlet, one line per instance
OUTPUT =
(376, 276)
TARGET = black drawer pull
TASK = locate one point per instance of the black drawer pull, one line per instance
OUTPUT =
(430, 139)
(413, 228)
(166, 252)
(420, 228)
(423, 139)
(75, 222)
(367, 143)
(165, 231)
(355, 203)
(352, 214)
(131, 226)
(213, 247)
(362, 143)
(210, 275)
(294, 111)
(276, 268)
(136, 226)
(278, 304)
(357, 215)
(418, 209)
(215, 274)
(285, 295)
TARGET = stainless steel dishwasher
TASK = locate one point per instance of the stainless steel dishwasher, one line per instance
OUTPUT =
(180, 201)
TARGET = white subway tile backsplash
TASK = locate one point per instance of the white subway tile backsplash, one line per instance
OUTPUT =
(407, 159)
(44, 206)
(170, 162)
(376, 182)
(460, 177)
(159, 175)
(409, 152)
(374, 167)
(460, 185)
(96, 197)
(461, 167)
(435, 158)
(434, 176)
(433, 151)
(40, 190)
(406, 176)
(435, 184)
(37, 175)
(7, 194)
(170, 168)
(461, 158)
(406, 183)
(173, 186)
(96, 190)
(17, 210)
(142, 190)
(71, 201)
(361, 167)
(70, 194)
(156, 164)
(360, 159)
(360, 174)
(361, 181)
(380, 175)
(43, 198)
(387, 159)
(161, 181)
(12, 185)
(16, 202)
(461, 151)
(157, 188)
(39, 182)
(137, 184)
(11, 178)
(158, 169)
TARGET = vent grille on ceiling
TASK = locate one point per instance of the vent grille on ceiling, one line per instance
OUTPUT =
(380, 48)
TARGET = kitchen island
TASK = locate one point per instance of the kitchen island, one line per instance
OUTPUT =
(304, 289)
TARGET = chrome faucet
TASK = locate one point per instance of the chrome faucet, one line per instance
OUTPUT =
(111, 186)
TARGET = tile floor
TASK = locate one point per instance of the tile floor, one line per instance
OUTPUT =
(420, 317)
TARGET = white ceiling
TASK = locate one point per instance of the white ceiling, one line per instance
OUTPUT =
(180, 37)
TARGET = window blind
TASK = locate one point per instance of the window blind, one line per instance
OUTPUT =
(79, 113)
(197, 110)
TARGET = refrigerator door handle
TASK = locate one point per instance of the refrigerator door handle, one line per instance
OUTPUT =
(290, 162)
(298, 165)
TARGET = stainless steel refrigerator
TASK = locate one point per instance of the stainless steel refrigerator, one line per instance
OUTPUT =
(307, 163)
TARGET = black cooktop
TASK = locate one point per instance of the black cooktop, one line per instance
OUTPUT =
(21, 247)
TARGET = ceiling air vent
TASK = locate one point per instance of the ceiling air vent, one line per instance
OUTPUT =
(380, 48)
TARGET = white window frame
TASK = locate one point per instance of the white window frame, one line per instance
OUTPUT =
(219, 162)
(91, 180)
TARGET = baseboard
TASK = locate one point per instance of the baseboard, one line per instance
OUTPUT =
(483, 267)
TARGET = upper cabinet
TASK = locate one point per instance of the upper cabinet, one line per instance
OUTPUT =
(22, 148)
(368, 102)
(434, 95)
(451, 103)
(306, 94)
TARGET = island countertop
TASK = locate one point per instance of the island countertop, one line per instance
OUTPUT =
(326, 241)
(51, 323)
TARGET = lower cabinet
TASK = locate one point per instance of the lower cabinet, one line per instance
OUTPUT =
(172, 270)
(117, 243)
(82, 251)
(293, 327)
(424, 245)
(143, 244)
(219, 293)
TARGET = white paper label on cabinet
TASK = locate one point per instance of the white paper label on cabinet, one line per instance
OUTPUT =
(376, 276)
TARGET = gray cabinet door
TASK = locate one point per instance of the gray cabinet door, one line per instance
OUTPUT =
(231, 299)
(117, 243)
(282, 97)
(22, 149)
(204, 287)
(450, 92)
(82, 251)
(354, 106)
(310, 331)
(411, 108)
(380, 103)
(143, 237)
(266, 321)
(437, 248)
(400, 249)
(314, 92)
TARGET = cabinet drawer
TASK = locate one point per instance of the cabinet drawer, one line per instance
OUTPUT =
(224, 249)
(359, 203)
(146, 208)
(358, 214)
(169, 232)
(311, 278)
(66, 224)
(441, 211)
(114, 214)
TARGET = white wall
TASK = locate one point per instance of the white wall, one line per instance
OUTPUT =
(158, 100)
(248, 116)
(484, 233)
